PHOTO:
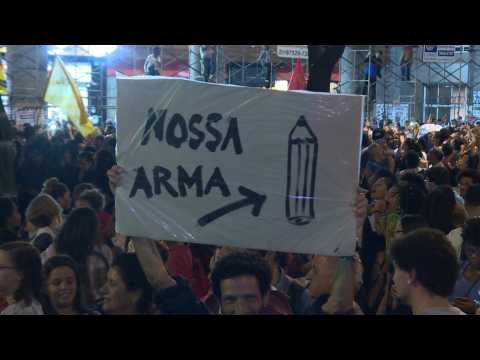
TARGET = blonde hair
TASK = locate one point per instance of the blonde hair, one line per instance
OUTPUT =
(43, 210)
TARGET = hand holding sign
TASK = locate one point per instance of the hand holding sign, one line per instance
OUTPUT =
(114, 177)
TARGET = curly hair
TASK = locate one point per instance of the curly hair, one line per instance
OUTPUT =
(238, 264)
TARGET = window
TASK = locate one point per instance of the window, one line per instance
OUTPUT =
(444, 102)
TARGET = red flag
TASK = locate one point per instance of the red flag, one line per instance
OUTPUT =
(297, 81)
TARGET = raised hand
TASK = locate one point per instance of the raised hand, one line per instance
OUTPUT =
(152, 263)
(115, 177)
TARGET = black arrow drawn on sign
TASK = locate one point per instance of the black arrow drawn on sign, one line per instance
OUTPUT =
(251, 198)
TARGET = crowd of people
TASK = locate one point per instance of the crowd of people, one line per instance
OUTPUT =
(418, 237)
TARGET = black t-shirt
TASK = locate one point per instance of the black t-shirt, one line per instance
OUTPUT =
(42, 242)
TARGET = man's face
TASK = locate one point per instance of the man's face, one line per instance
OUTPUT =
(241, 296)
(464, 184)
(401, 281)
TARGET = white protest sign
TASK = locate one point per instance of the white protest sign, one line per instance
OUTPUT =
(238, 166)
(428, 128)
(295, 52)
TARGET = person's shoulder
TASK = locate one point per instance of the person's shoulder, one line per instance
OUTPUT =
(42, 241)
(455, 232)
(20, 308)
(450, 310)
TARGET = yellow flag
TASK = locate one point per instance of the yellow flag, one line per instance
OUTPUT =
(63, 93)
(3, 80)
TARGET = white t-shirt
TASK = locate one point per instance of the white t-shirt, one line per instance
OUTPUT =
(20, 308)
(455, 238)
(152, 61)
(448, 310)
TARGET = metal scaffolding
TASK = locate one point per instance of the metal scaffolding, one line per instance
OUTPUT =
(441, 90)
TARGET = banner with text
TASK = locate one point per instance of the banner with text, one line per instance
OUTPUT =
(295, 52)
(238, 166)
(440, 53)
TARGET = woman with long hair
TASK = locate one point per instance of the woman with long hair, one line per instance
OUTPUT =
(77, 239)
(64, 293)
(20, 278)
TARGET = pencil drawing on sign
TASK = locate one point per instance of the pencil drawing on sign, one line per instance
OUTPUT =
(301, 171)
